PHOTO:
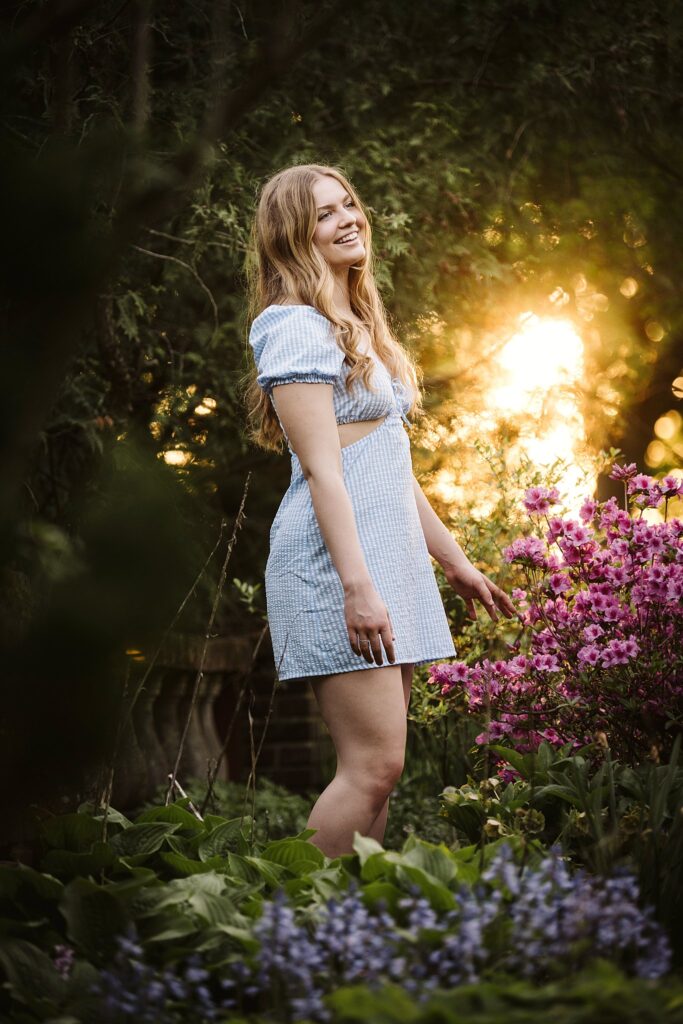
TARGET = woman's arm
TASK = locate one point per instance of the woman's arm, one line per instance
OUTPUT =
(465, 579)
(306, 412)
(441, 543)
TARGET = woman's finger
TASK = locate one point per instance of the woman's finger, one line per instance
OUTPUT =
(388, 638)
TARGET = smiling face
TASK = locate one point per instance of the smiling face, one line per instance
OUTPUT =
(340, 228)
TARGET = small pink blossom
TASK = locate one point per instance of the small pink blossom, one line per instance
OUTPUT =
(555, 529)
(559, 582)
(588, 509)
(670, 486)
(589, 655)
(623, 472)
(527, 550)
(539, 499)
(639, 483)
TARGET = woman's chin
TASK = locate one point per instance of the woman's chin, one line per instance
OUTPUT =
(350, 258)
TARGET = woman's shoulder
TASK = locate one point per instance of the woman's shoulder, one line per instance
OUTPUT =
(289, 324)
(288, 312)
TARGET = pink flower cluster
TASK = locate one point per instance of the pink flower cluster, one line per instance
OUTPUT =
(604, 605)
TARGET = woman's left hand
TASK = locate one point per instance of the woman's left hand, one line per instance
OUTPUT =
(469, 583)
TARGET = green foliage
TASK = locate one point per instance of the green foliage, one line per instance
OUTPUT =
(604, 814)
(599, 995)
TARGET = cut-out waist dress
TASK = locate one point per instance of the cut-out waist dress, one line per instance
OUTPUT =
(304, 595)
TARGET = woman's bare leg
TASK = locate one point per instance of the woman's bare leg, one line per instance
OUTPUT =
(365, 714)
(379, 825)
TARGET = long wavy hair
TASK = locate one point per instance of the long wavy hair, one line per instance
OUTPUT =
(283, 264)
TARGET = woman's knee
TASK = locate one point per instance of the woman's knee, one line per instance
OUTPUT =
(377, 775)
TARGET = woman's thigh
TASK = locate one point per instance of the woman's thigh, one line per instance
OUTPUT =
(365, 712)
(407, 677)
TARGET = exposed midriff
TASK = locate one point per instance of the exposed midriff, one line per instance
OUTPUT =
(350, 432)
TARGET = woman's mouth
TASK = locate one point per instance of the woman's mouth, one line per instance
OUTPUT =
(348, 238)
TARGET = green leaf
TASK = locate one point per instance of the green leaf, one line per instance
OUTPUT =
(74, 832)
(298, 855)
(390, 1004)
(14, 879)
(438, 895)
(386, 891)
(170, 926)
(73, 865)
(366, 846)
(174, 813)
(113, 816)
(436, 860)
(186, 866)
(221, 840)
(145, 837)
(31, 975)
(380, 865)
(93, 917)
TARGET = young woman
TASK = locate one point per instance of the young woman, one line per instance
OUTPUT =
(350, 590)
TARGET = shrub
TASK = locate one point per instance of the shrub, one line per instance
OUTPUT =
(603, 603)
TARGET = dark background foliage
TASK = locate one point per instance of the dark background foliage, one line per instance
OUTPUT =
(505, 149)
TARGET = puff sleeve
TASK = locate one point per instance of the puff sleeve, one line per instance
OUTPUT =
(294, 344)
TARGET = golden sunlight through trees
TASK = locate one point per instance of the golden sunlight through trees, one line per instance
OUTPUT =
(534, 385)
(539, 370)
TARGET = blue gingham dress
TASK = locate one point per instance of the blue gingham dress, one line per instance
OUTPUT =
(304, 595)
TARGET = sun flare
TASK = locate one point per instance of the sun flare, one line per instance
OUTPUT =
(539, 369)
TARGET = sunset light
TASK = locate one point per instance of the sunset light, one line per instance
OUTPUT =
(538, 371)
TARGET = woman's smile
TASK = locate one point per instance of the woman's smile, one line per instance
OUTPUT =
(340, 224)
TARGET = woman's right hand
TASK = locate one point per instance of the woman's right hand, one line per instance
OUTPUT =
(368, 623)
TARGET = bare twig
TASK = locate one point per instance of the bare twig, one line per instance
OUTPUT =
(247, 676)
(209, 629)
(109, 783)
(255, 754)
(188, 241)
(174, 259)
(190, 805)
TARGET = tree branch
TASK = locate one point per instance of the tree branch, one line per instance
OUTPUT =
(205, 288)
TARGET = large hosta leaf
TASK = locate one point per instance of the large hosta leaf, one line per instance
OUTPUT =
(186, 866)
(438, 895)
(436, 860)
(299, 856)
(145, 837)
(31, 975)
(221, 840)
(94, 917)
(174, 813)
(20, 878)
(66, 864)
(74, 832)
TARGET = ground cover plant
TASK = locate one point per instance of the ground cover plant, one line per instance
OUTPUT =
(175, 919)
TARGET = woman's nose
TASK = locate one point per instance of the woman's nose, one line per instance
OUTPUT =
(350, 217)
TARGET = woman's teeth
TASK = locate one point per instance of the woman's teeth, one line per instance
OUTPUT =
(347, 238)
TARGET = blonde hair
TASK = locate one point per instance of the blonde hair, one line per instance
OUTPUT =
(283, 263)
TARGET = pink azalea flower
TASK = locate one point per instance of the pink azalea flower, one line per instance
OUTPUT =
(587, 510)
(559, 583)
(638, 483)
(623, 472)
(539, 499)
(670, 486)
(527, 550)
(589, 655)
